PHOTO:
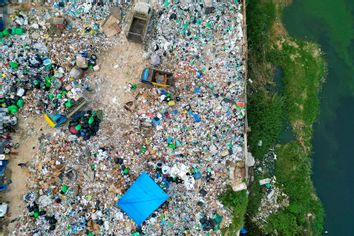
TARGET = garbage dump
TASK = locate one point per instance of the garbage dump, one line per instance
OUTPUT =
(45, 59)
(185, 136)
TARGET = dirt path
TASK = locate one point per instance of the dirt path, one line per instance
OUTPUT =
(27, 136)
(120, 66)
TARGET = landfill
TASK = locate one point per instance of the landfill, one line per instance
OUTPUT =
(187, 136)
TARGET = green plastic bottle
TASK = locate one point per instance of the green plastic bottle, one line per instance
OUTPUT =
(13, 65)
(20, 103)
(17, 31)
(64, 188)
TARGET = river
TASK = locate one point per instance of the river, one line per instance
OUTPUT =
(331, 24)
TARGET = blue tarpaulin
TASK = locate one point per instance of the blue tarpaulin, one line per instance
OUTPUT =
(142, 199)
(243, 231)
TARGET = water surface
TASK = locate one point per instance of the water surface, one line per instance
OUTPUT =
(331, 24)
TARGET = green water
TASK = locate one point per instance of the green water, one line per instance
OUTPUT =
(331, 24)
(286, 135)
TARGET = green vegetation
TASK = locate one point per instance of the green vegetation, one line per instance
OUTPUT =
(265, 111)
(266, 118)
(237, 203)
(305, 213)
(303, 70)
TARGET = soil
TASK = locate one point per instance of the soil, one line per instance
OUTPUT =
(120, 66)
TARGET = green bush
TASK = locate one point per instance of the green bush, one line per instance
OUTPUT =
(237, 203)
(265, 117)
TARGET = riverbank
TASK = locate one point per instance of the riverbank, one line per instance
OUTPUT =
(296, 102)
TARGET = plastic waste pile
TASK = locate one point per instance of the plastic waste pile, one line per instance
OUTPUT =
(85, 124)
(31, 78)
(41, 69)
(198, 127)
(76, 189)
(45, 57)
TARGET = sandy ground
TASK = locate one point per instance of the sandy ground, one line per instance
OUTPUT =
(120, 66)
(28, 131)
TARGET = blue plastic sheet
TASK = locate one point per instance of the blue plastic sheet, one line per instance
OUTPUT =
(142, 199)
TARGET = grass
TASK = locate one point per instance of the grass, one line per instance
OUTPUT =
(237, 203)
(303, 71)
